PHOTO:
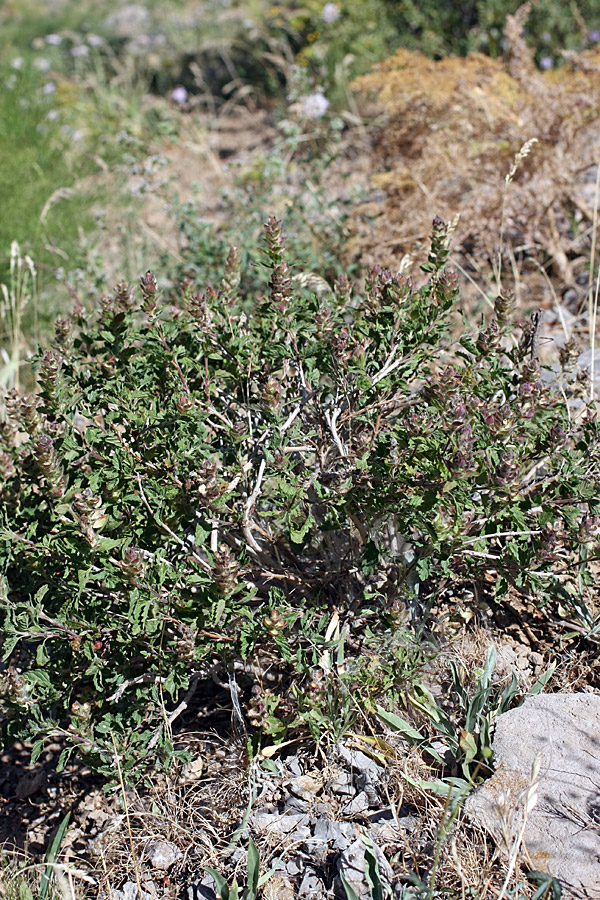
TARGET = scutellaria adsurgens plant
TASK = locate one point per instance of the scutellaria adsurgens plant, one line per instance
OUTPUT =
(235, 483)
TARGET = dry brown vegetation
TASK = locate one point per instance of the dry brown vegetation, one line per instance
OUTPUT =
(453, 129)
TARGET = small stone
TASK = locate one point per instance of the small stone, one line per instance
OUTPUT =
(296, 805)
(294, 866)
(304, 787)
(311, 886)
(129, 891)
(358, 805)
(339, 834)
(343, 785)
(536, 659)
(282, 825)
(163, 854)
(360, 762)
(293, 766)
(278, 887)
(351, 865)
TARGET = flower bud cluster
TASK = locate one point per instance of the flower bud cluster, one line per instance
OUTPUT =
(230, 284)
(63, 333)
(274, 623)
(133, 565)
(569, 354)
(49, 465)
(439, 244)
(489, 339)
(91, 514)
(49, 372)
(343, 289)
(204, 485)
(24, 411)
(504, 308)
(198, 306)
(339, 343)
(149, 289)
(226, 569)
(123, 299)
(506, 470)
(14, 689)
(257, 708)
(185, 642)
(271, 392)
(382, 286)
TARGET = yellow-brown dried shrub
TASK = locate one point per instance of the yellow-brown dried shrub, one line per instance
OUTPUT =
(453, 128)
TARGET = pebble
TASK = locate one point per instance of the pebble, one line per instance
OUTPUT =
(163, 854)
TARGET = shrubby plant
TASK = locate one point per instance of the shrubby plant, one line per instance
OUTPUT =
(270, 490)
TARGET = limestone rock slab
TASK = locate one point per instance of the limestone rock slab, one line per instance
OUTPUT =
(562, 832)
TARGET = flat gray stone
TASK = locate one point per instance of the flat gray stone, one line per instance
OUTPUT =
(562, 832)
(129, 891)
(360, 762)
(163, 854)
(281, 826)
(339, 834)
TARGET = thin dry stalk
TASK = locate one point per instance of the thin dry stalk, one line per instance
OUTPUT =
(521, 154)
(530, 801)
(127, 818)
(593, 303)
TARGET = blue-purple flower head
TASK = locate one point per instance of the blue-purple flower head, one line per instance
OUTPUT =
(546, 62)
(315, 105)
(179, 95)
(594, 36)
(330, 13)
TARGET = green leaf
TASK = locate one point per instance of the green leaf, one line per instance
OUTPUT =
(370, 558)
(253, 871)
(400, 725)
(36, 751)
(540, 683)
(220, 883)
(52, 854)
(350, 892)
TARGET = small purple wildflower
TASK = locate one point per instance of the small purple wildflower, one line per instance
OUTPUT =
(179, 95)
(546, 62)
(41, 64)
(330, 13)
(94, 40)
(315, 105)
(80, 50)
(53, 39)
(49, 88)
(594, 36)
(53, 115)
(17, 62)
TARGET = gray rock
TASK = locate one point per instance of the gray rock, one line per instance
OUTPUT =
(311, 885)
(339, 834)
(296, 805)
(294, 866)
(562, 836)
(295, 826)
(343, 785)
(359, 805)
(304, 787)
(129, 891)
(351, 865)
(163, 854)
(360, 762)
